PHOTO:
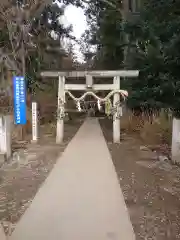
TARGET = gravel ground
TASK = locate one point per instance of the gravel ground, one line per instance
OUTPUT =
(151, 188)
(21, 178)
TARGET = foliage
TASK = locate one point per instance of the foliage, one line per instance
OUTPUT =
(42, 27)
(154, 39)
(154, 49)
(105, 35)
(29, 25)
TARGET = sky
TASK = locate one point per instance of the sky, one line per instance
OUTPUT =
(76, 17)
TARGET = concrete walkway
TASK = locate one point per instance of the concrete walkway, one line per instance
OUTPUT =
(81, 199)
(2, 234)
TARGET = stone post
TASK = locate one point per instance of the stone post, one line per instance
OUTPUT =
(175, 150)
(5, 138)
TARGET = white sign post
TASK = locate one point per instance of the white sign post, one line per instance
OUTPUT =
(34, 122)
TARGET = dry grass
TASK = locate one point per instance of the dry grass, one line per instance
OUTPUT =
(158, 131)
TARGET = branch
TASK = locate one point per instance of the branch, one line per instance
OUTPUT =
(109, 3)
(11, 41)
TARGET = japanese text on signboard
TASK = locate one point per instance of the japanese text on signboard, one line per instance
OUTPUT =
(19, 100)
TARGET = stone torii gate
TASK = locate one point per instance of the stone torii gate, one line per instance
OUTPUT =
(89, 87)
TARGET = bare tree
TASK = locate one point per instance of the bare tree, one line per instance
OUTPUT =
(16, 20)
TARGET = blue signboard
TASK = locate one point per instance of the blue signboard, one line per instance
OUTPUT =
(19, 100)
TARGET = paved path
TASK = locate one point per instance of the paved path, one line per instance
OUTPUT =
(81, 199)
